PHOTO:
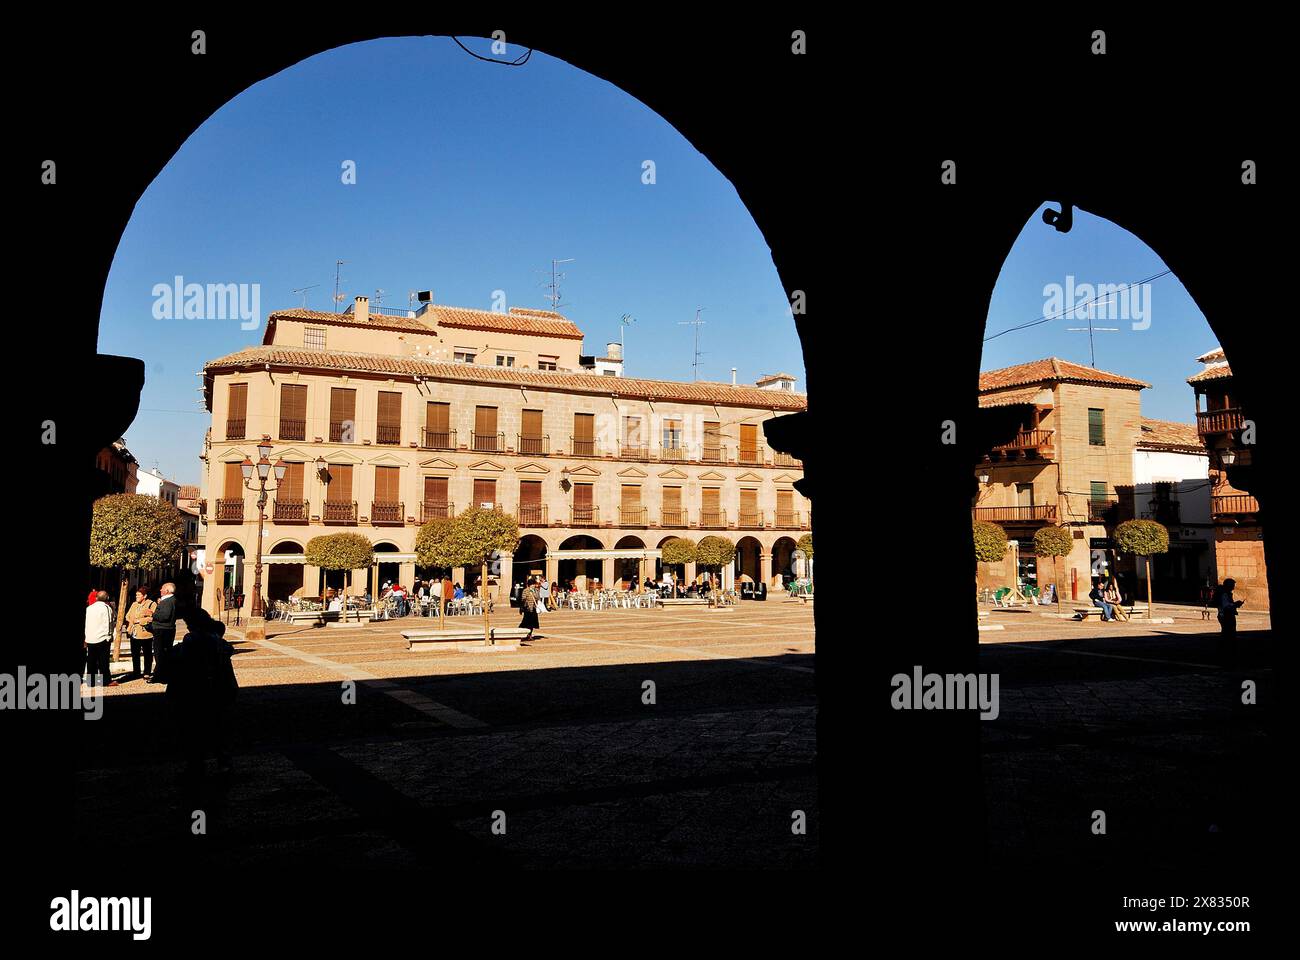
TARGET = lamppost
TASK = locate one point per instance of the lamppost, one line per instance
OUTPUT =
(263, 468)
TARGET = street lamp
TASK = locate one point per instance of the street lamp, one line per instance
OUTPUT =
(263, 469)
(984, 476)
(1228, 457)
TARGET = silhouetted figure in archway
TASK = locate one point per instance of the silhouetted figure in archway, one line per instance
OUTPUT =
(201, 688)
(1227, 611)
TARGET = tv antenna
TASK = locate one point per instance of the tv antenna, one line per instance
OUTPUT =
(303, 291)
(554, 285)
(1092, 350)
(379, 296)
(696, 323)
(338, 296)
(623, 322)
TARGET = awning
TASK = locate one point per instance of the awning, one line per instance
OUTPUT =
(380, 557)
(630, 553)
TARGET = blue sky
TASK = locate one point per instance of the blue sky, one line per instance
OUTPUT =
(1096, 251)
(470, 178)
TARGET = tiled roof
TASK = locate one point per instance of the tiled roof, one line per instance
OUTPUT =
(1212, 373)
(773, 377)
(1052, 370)
(669, 390)
(1169, 434)
(519, 320)
(189, 491)
(1215, 354)
(1010, 398)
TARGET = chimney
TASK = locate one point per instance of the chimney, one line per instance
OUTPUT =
(361, 309)
(614, 350)
(733, 376)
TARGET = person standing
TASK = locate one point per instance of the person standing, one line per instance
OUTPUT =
(543, 595)
(99, 632)
(163, 628)
(1227, 609)
(529, 602)
(138, 618)
(201, 689)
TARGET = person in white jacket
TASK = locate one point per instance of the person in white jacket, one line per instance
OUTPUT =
(99, 631)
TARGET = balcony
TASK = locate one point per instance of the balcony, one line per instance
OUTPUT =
(343, 431)
(436, 510)
(388, 434)
(230, 510)
(586, 516)
(632, 517)
(1033, 513)
(633, 451)
(532, 515)
(533, 446)
(673, 454)
(1104, 511)
(750, 520)
(387, 513)
(338, 511)
(789, 520)
(487, 442)
(780, 459)
(755, 456)
(713, 452)
(584, 447)
(713, 519)
(1211, 422)
(293, 429)
(1233, 504)
(235, 429)
(1026, 445)
(290, 511)
(437, 439)
(1167, 512)
(673, 517)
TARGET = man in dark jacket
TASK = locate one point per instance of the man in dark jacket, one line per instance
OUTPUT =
(163, 628)
(201, 688)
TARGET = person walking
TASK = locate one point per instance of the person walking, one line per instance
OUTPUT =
(1227, 611)
(529, 620)
(138, 618)
(163, 628)
(99, 632)
(543, 595)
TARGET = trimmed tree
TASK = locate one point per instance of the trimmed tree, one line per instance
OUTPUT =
(715, 552)
(1143, 538)
(678, 552)
(433, 548)
(990, 541)
(1054, 542)
(340, 551)
(805, 546)
(476, 537)
(133, 531)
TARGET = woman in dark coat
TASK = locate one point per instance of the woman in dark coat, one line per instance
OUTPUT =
(528, 600)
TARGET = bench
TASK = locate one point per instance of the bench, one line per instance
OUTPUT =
(1083, 613)
(684, 602)
(328, 616)
(468, 636)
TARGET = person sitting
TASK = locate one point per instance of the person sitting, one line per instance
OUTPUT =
(459, 593)
(1098, 598)
(1112, 596)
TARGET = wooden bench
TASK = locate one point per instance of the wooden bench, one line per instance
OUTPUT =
(329, 616)
(503, 637)
(1083, 613)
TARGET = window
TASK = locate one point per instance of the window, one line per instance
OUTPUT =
(485, 493)
(1098, 490)
(1096, 427)
(436, 505)
(584, 434)
(339, 488)
(293, 411)
(712, 441)
(464, 355)
(234, 481)
(711, 507)
(609, 373)
(388, 421)
(1025, 494)
(437, 426)
(313, 338)
(485, 429)
(583, 510)
(343, 415)
(672, 438)
(530, 503)
(291, 487)
(673, 514)
(633, 441)
(547, 363)
(505, 360)
(386, 484)
(237, 411)
(630, 509)
(749, 515)
(749, 443)
(530, 436)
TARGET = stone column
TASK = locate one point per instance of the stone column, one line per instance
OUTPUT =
(458, 576)
(552, 570)
(765, 568)
(406, 574)
(689, 575)
(607, 572)
(505, 579)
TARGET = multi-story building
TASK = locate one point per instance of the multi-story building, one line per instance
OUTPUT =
(1056, 441)
(116, 469)
(1171, 485)
(1226, 431)
(153, 484)
(388, 419)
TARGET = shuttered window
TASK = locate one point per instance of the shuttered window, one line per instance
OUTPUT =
(339, 489)
(237, 412)
(343, 415)
(234, 483)
(584, 434)
(291, 486)
(293, 411)
(749, 501)
(583, 510)
(1096, 427)
(435, 489)
(748, 442)
(387, 481)
(785, 500)
(710, 498)
(672, 513)
(712, 441)
(532, 423)
(631, 495)
(388, 420)
(485, 428)
(530, 439)
(485, 492)
(437, 425)
(530, 503)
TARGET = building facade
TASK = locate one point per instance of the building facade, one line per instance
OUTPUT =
(1226, 430)
(389, 419)
(1171, 485)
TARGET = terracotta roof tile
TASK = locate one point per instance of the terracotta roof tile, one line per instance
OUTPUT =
(669, 390)
(1215, 354)
(519, 320)
(1213, 373)
(1010, 398)
(772, 377)
(1053, 370)
(377, 321)
(189, 491)
(1168, 434)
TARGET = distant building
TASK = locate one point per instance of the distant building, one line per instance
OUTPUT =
(115, 469)
(1171, 485)
(152, 483)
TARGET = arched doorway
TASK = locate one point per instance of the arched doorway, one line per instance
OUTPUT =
(747, 562)
(389, 571)
(678, 569)
(579, 571)
(626, 568)
(283, 580)
(230, 568)
(783, 560)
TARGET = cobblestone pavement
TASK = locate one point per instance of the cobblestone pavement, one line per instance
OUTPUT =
(554, 741)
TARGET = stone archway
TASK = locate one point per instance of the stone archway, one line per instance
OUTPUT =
(283, 580)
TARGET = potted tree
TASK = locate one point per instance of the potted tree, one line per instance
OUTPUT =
(473, 539)
(678, 552)
(1143, 538)
(715, 553)
(133, 532)
(340, 551)
(1054, 542)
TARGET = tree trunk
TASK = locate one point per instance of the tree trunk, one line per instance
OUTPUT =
(1150, 611)
(483, 592)
(1056, 575)
(121, 615)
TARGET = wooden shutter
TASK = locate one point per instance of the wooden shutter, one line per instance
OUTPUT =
(749, 501)
(532, 423)
(631, 496)
(485, 491)
(709, 499)
(234, 483)
(1096, 427)
(748, 441)
(291, 486)
(293, 411)
(339, 489)
(237, 411)
(343, 409)
(530, 493)
(485, 421)
(437, 424)
(388, 420)
(435, 489)
(582, 495)
(387, 481)
(785, 501)
(672, 498)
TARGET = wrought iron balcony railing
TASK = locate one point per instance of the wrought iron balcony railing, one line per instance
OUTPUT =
(293, 429)
(752, 455)
(235, 429)
(673, 454)
(713, 453)
(230, 510)
(673, 517)
(487, 442)
(716, 519)
(436, 510)
(532, 515)
(789, 520)
(632, 516)
(533, 446)
(338, 511)
(437, 439)
(586, 516)
(290, 511)
(389, 434)
(750, 520)
(387, 513)
(584, 447)
(634, 451)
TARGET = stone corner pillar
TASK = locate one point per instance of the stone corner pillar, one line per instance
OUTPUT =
(765, 568)
(689, 573)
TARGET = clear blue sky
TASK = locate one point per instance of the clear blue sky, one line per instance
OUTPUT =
(470, 178)
(1096, 251)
